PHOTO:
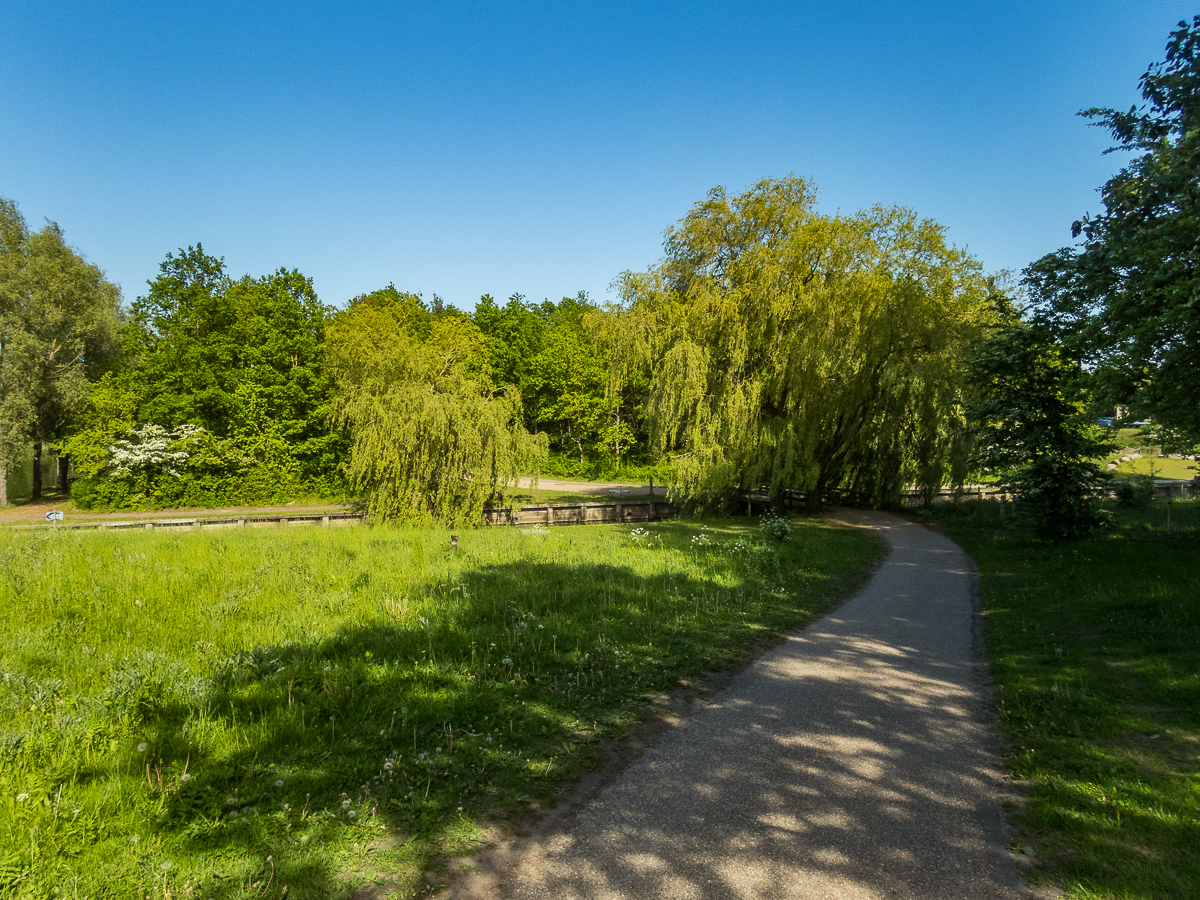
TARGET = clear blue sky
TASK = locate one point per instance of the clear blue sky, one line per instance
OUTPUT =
(470, 148)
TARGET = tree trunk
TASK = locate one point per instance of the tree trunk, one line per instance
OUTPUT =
(64, 466)
(3, 480)
(812, 500)
(36, 492)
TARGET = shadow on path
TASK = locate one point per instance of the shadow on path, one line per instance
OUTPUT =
(853, 761)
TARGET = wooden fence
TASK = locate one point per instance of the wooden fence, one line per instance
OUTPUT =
(760, 502)
(606, 512)
(270, 521)
(580, 513)
(537, 514)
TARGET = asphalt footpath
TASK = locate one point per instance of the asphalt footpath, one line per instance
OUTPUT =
(855, 760)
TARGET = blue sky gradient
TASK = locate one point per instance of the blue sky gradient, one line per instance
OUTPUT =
(542, 148)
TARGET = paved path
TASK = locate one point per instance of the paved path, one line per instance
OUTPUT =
(853, 761)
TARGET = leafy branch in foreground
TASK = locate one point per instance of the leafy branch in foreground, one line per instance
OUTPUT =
(1126, 300)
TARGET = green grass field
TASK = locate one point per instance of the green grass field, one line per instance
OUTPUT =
(298, 712)
(1095, 652)
(1151, 462)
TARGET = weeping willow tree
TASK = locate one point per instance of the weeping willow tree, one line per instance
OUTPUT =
(432, 438)
(802, 351)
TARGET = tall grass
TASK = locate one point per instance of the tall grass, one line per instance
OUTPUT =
(239, 713)
(1095, 651)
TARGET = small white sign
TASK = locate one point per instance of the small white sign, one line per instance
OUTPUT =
(55, 515)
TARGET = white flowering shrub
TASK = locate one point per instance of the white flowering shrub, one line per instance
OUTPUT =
(776, 526)
(151, 449)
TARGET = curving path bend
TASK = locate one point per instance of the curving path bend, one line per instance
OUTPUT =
(855, 760)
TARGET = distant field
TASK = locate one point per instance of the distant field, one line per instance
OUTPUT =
(1159, 467)
(223, 714)
(1150, 463)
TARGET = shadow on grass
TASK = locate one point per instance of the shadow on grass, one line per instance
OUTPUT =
(1094, 647)
(417, 725)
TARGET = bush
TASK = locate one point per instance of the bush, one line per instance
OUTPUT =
(776, 526)
(1058, 497)
(1137, 492)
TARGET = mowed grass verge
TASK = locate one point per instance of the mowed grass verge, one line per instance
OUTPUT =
(1095, 651)
(301, 712)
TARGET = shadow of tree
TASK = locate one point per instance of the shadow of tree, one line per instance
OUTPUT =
(414, 726)
(855, 760)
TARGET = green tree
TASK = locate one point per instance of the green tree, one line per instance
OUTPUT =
(58, 326)
(1031, 417)
(1126, 300)
(244, 360)
(432, 436)
(802, 351)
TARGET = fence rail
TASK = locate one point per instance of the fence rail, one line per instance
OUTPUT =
(536, 514)
(580, 513)
(607, 512)
(759, 501)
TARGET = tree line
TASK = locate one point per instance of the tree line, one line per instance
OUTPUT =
(773, 347)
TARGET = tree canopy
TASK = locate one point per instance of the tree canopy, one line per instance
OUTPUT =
(1126, 301)
(244, 361)
(803, 351)
(58, 328)
(1029, 407)
(433, 437)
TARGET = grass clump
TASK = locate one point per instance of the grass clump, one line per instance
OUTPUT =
(1094, 647)
(244, 713)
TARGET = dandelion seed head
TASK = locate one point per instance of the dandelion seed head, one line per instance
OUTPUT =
(142, 747)
(185, 778)
(279, 783)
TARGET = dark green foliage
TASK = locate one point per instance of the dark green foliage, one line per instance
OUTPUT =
(558, 356)
(1030, 416)
(1127, 299)
(58, 327)
(1135, 491)
(242, 359)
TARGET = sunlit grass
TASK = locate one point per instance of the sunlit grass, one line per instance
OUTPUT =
(226, 713)
(1095, 651)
